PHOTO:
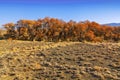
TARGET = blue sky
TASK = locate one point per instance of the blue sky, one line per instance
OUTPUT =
(101, 11)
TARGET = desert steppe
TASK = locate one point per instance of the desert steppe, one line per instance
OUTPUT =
(32, 60)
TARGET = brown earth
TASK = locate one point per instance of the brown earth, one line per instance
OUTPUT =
(24, 60)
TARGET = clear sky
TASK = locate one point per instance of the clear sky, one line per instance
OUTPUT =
(101, 11)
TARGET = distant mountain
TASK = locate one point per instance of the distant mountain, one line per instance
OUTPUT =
(112, 24)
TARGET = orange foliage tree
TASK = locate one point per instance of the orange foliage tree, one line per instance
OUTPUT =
(11, 32)
(53, 29)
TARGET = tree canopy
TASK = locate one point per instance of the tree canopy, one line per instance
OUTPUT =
(52, 29)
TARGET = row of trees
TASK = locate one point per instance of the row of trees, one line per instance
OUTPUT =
(51, 29)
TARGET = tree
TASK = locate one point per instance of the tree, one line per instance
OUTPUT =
(27, 29)
(89, 36)
(53, 29)
(11, 32)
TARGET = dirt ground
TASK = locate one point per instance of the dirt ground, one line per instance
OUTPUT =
(25, 60)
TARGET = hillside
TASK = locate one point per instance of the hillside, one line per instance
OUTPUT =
(25, 60)
(113, 24)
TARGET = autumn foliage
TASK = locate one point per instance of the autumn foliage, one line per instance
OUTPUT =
(51, 29)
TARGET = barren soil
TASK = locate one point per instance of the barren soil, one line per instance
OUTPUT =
(24, 60)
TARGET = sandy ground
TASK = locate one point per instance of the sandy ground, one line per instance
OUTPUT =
(25, 60)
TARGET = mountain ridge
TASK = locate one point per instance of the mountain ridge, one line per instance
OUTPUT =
(112, 24)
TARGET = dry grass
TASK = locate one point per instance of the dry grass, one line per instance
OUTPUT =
(25, 60)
